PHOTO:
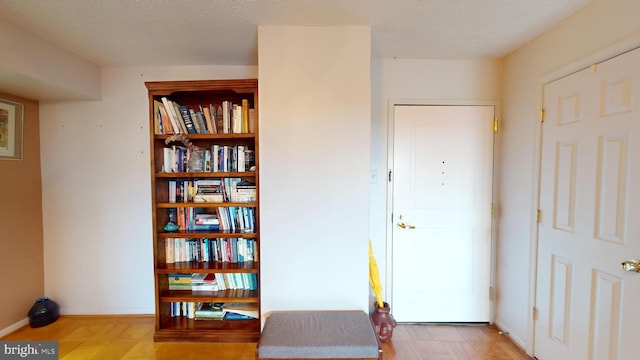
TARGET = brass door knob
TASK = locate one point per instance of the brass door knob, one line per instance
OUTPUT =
(402, 225)
(631, 265)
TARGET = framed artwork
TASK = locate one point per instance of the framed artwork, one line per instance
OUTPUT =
(10, 130)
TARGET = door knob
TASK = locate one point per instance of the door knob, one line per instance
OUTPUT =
(631, 265)
(402, 225)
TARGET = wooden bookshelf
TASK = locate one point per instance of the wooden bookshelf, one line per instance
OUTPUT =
(169, 325)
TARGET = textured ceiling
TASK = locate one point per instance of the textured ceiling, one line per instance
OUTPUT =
(197, 32)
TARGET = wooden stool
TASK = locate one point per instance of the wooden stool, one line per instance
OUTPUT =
(318, 335)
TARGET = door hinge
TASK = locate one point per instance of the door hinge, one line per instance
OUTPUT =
(542, 115)
(389, 175)
(495, 125)
(535, 313)
(538, 216)
(491, 293)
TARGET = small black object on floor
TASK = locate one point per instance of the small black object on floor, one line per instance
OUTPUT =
(43, 312)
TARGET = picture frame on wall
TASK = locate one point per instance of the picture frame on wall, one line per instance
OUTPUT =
(11, 122)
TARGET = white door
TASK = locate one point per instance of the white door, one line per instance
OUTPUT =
(587, 305)
(442, 182)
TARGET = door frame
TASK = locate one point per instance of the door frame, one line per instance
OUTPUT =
(586, 62)
(392, 103)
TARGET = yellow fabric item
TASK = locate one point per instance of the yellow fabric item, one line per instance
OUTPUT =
(374, 277)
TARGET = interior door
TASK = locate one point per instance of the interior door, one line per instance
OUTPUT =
(590, 202)
(442, 181)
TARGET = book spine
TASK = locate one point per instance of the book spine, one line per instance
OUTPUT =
(215, 158)
(245, 115)
(206, 111)
(186, 119)
(157, 119)
(167, 127)
(166, 159)
(173, 117)
(226, 117)
(252, 121)
(202, 122)
(179, 120)
(241, 162)
(196, 123)
(207, 160)
(172, 191)
(236, 117)
(169, 251)
(220, 119)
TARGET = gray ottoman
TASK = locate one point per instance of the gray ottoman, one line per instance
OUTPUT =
(318, 335)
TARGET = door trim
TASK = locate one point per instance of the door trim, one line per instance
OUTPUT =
(393, 102)
(609, 52)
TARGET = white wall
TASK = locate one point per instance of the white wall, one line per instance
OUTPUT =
(315, 111)
(96, 192)
(435, 81)
(595, 27)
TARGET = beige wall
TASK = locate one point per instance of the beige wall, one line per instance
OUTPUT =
(600, 25)
(37, 69)
(21, 255)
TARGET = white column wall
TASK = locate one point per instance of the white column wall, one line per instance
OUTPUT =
(315, 115)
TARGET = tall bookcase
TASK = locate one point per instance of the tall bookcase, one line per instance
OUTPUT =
(229, 251)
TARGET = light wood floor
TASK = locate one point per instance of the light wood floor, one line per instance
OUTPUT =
(131, 337)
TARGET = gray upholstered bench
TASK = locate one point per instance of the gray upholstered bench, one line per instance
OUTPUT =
(318, 335)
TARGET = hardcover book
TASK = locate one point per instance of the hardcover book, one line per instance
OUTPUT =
(186, 119)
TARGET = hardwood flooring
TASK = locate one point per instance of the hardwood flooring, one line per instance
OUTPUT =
(448, 342)
(131, 337)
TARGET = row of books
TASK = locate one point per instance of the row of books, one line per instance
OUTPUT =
(233, 250)
(215, 311)
(207, 282)
(214, 190)
(217, 158)
(218, 282)
(226, 118)
(230, 218)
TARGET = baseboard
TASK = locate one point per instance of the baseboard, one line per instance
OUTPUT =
(13, 327)
(90, 311)
(505, 331)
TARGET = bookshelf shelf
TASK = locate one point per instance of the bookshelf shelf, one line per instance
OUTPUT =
(207, 234)
(209, 330)
(248, 136)
(217, 124)
(204, 175)
(210, 296)
(189, 267)
(204, 205)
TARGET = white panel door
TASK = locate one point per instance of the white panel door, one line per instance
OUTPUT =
(590, 202)
(442, 181)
